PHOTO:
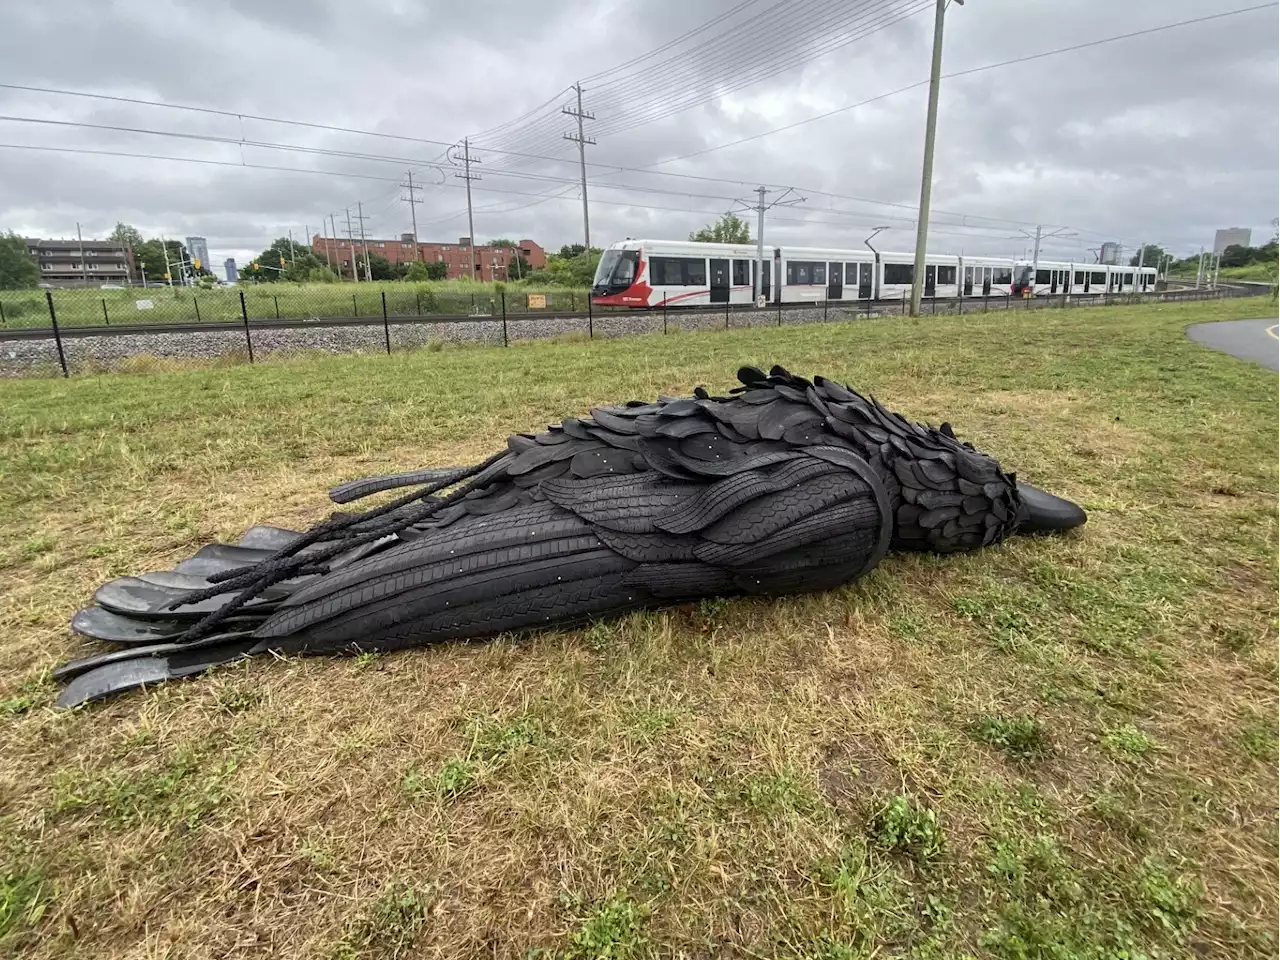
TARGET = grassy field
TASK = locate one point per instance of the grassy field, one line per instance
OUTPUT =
(1061, 748)
(1256, 272)
(80, 308)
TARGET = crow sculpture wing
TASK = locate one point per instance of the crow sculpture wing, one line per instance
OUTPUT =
(787, 485)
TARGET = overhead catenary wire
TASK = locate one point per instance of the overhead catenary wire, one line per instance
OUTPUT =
(651, 169)
(964, 73)
(537, 197)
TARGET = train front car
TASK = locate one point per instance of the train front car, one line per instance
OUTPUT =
(620, 279)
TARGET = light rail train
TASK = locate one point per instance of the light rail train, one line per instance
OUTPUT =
(653, 273)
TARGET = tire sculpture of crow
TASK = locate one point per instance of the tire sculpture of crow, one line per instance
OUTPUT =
(786, 486)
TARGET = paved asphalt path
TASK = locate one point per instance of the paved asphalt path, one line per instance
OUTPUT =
(1256, 340)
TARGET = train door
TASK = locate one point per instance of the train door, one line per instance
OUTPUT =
(835, 277)
(719, 280)
(930, 281)
(967, 289)
(987, 273)
(1054, 276)
(865, 273)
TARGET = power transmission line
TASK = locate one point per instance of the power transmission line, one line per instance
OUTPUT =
(468, 176)
(581, 140)
(413, 202)
(965, 73)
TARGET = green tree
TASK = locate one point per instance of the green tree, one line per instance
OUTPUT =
(728, 229)
(1237, 256)
(149, 257)
(569, 271)
(501, 242)
(380, 268)
(271, 263)
(437, 270)
(571, 250)
(302, 266)
(1151, 255)
(18, 270)
(126, 234)
(417, 272)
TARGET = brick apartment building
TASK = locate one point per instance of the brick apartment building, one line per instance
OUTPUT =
(491, 263)
(73, 263)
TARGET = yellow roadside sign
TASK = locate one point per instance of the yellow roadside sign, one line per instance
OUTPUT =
(537, 301)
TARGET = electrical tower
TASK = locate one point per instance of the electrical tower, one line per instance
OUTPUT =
(364, 244)
(467, 160)
(413, 202)
(582, 140)
(351, 242)
(760, 207)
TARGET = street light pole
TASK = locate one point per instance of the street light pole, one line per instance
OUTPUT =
(926, 174)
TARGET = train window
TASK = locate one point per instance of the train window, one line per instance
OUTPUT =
(1042, 276)
(851, 274)
(1098, 276)
(1003, 276)
(677, 272)
(741, 273)
(1128, 277)
(898, 272)
(800, 272)
(1079, 276)
(946, 275)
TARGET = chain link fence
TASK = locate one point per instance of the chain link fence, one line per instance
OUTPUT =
(65, 332)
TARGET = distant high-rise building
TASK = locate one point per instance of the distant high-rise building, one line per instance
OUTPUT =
(232, 273)
(198, 249)
(1110, 253)
(1231, 237)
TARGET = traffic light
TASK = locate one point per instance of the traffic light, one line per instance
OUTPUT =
(196, 263)
(282, 260)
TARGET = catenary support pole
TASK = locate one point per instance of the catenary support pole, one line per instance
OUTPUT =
(758, 286)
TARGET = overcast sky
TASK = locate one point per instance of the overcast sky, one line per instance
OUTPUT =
(1162, 137)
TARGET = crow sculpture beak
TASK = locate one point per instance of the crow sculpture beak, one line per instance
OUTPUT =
(1044, 513)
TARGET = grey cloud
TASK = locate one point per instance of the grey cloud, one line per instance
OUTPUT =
(1163, 137)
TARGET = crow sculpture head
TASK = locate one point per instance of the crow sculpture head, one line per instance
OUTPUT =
(785, 485)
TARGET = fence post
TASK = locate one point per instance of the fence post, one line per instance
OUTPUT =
(105, 319)
(244, 316)
(417, 298)
(664, 316)
(57, 334)
(573, 302)
(779, 310)
(386, 330)
(3, 321)
(355, 310)
(825, 300)
(591, 319)
(195, 301)
(726, 314)
(505, 341)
